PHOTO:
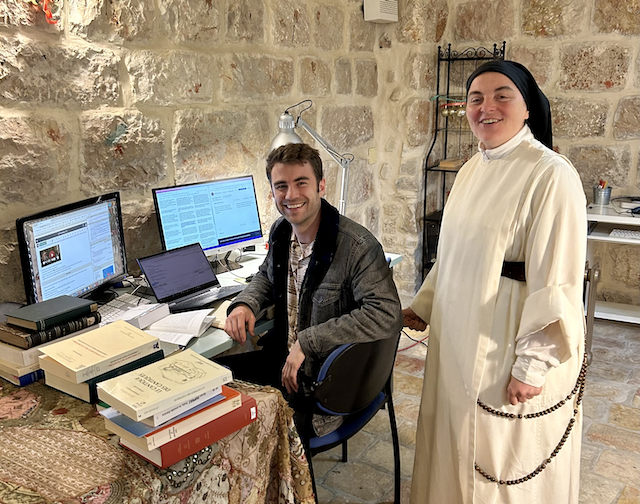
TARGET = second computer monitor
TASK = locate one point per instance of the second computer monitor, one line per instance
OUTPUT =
(220, 214)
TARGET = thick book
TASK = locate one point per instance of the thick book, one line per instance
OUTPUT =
(87, 391)
(46, 314)
(25, 357)
(173, 412)
(158, 386)
(21, 381)
(147, 437)
(95, 352)
(145, 315)
(25, 338)
(9, 367)
(178, 449)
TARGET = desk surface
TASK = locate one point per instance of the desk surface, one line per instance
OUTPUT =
(55, 449)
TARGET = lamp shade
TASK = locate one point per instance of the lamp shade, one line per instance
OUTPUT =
(287, 134)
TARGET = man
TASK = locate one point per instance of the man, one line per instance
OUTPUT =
(327, 277)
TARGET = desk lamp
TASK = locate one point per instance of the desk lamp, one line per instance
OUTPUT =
(287, 124)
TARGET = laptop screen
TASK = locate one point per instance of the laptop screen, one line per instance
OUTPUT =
(178, 272)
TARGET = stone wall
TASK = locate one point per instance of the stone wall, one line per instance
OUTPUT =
(133, 94)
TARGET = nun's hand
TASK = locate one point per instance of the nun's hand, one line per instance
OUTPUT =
(518, 392)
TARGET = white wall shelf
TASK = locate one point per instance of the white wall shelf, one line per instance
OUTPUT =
(602, 219)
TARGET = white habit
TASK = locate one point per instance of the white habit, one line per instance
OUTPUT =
(519, 202)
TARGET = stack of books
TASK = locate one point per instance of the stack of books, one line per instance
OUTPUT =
(170, 409)
(77, 364)
(31, 327)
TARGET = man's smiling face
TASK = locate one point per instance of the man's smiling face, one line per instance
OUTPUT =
(297, 194)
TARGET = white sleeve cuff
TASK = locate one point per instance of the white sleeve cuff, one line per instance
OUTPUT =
(530, 370)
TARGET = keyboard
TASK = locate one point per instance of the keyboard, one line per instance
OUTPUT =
(115, 308)
(204, 299)
(628, 234)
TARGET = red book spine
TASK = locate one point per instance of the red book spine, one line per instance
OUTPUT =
(194, 441)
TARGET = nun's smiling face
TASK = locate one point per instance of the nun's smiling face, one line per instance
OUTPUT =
(496, 110)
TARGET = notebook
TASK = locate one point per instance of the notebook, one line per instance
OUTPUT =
(184, 279)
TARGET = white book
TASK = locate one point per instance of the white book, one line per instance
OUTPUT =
(145, 315)
(163, 384)
(26, 357)
(95, 352)
(169, 414)
(179, 328)
(10, 367)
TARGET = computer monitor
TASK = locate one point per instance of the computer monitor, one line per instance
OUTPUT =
(221, 215)
(75, 249)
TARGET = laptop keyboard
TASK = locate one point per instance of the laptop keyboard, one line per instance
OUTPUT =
(114, 309)
(201, 300)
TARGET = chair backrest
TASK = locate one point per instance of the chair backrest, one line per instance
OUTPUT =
(354, 374)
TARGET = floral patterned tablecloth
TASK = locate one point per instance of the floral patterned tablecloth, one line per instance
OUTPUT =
(55, 448)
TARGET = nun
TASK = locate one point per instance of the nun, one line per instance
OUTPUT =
(501, 417)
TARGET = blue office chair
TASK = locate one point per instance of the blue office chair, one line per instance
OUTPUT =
(355, 382)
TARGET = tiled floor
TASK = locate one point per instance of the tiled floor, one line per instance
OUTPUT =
(610, 471)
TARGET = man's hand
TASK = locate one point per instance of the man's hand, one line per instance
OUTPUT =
(239, 318)
(290, 370)
(412, 321)
(521, 392)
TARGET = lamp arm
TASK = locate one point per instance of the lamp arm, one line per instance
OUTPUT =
(343, 161)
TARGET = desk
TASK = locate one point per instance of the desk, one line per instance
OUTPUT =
(215, 341)
(602, 219)
(55, 448)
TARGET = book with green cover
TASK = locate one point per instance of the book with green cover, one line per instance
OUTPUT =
(43, 315)
(158, 386)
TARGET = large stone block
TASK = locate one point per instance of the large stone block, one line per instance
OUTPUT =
(418, 114)
(576, 117)
(11, 283)
(626, 122)
(360, 121)
(367, 78)
(290, 26)
(19, 13)
(625, 265)
(315, 77)
(617, 16)
(172, 78)
(343, 76)
(121, 152)
(35, 165)
(361, 187)
(113, 20)
(328, 27)
(245, 21)
(420, 71)
(594, 67)
(45, 74)
(214, 143)
(256, 77)
(595, 162)
(361, 35)
(552, 18)
(539, 61)
(484, 20)
(141, 235)
(422, 21)
(192, 23)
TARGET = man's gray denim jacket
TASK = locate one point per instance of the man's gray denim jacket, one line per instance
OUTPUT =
(348, 294)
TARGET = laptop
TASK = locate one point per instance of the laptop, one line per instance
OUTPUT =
(184, 279)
